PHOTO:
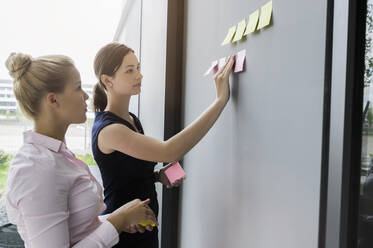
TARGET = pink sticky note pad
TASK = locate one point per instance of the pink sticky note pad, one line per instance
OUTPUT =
(212, 67)
(174, 172)
(240, 61)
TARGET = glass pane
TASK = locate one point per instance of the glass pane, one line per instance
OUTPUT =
(365, 231)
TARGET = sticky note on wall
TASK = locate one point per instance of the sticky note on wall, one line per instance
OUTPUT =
(252, 23)
(229, 36)
(265, 15)
(240, 61)
(213, 66)
(240, 30)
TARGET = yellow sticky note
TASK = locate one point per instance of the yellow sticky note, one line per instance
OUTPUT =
(144, 224)
(229, 36)
(252, 23)
(265, 15)
(240, 30)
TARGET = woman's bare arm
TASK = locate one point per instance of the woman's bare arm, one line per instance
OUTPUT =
(121, 138)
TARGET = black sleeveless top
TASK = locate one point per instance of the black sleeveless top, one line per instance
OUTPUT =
(125, 178)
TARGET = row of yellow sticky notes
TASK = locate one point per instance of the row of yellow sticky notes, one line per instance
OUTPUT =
(237, 32)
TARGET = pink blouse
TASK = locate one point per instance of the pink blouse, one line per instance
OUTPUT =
(53, 198)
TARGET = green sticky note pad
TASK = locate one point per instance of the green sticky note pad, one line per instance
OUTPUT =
(265, 15)
(229, 36)
(240, 30)
(144, 224)
(252, 23)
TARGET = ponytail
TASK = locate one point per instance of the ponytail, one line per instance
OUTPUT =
(99, 97)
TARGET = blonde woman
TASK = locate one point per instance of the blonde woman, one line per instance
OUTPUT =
(51, 195)
(122, 151)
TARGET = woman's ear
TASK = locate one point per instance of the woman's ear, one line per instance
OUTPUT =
(106, 80)
(51, 100)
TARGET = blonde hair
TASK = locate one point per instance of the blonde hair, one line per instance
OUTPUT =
(35, 77)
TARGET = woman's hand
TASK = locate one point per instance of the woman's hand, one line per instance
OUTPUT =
(164, 180)
(221, 79)
(137, 228)
(132, 213)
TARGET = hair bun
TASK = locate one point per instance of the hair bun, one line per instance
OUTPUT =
(17, 64)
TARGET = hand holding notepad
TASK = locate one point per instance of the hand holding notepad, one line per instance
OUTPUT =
(172, 175)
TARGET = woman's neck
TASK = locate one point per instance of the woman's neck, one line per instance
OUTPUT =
(51, 128)
(119, 106)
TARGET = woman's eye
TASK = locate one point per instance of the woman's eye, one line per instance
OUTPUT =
(129, 71)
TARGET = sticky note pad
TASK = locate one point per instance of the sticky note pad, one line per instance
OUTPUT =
(229, 36)
(221, 63)
(144, 224)
(240, 30)
(265, 15)
(252, 23)
(213, 66)
(240, 61)
(174, 172)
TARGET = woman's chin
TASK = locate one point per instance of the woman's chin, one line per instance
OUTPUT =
(137, 92)
(80, 120)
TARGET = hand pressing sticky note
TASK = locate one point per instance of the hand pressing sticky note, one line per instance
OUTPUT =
(240, 61)
(240, 30)
(265, 15)
(221, 63)
(174, 172)
(213, 66)
(144, 224)
(229, 36)
(252, 23)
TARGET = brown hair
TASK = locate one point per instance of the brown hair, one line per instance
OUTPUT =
(34, 77)
(107, 62)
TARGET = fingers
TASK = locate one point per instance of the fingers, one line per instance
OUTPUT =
(130, 229)
(150, 217)
(146, 202)
(140, 228)
(149, 228)
(178, 182)
(228, 68)
(226, 65)
(132, 203)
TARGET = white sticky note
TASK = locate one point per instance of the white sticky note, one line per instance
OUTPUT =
(213, 66)
(240, 61)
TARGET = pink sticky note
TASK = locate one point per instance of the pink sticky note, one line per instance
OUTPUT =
(221, 63)
(240, 61)
(174, 172)
(212, 67)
